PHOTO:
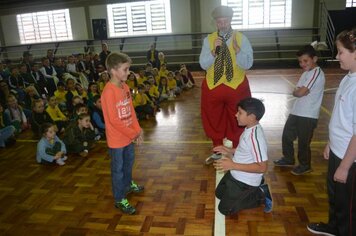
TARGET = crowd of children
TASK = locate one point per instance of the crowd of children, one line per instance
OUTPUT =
(64, 97)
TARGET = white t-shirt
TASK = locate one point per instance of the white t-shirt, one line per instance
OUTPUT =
(309, 105)
(342, 124)
(252, 149)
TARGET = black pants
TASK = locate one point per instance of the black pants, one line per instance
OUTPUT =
(301, 128)
(235, 195)
(342, 199)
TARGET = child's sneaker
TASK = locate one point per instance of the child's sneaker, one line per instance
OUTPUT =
(301, 170)
(135, 188)
(125, 207)
(60, 162)
(283, 162)
(268, 198)
(212, 158)
(321, 228)
(64, 158)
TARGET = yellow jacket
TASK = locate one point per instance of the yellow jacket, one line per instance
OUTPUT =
(55, 113)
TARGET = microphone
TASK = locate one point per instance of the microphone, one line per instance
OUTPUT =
(218, 48)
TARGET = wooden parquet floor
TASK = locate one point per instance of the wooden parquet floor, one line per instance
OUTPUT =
(76, 199)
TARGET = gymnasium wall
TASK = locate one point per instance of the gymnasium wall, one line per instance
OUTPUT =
(182, 22)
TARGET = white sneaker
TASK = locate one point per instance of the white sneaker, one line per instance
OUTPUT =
(60, 162)
(64, 158)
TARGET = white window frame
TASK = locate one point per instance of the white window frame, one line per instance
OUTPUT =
(128, 23)
(249, 19)
(44, 26)
(350, 3)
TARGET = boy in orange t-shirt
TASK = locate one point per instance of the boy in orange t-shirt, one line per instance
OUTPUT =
(122, 129)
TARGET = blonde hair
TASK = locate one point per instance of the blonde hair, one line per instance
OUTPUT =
(115, 59)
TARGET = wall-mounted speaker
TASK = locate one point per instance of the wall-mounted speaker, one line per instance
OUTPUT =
(99, 29)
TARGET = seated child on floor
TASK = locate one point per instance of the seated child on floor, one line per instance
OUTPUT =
(164, 92)
(79, 108)
(241, 187)
(15, 112)
(71, 92)
(98, 117)
(7, 131)
(132, 82)
(39, 117)
(172, 84)
(60, 94)
(153, 91)
(56, 114)
(79, 136)
(152, 99)
(143, 106)
(104, 77)
(93, 90)
(50, 148)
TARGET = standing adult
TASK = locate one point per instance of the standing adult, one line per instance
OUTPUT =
(50, 56)
(225, 55)
(152, 56)
(104, 53)
(27, 59)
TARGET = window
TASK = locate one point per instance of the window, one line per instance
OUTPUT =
(350, 3)
(139, 18)
(45, 26)
(260, 13)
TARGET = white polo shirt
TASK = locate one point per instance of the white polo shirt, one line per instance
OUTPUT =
(342, 125)
(252, 149)
(309, 105)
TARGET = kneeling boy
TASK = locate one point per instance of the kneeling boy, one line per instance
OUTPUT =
(241, 188)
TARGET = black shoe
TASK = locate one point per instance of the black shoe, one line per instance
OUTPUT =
(125, 207)
(268, 198)
(301, 170)
(321, 228)
(283, 162)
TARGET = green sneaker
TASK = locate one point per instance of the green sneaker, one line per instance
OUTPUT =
(135, 188)
(125, 207)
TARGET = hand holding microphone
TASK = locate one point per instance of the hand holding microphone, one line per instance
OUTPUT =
(217, 44)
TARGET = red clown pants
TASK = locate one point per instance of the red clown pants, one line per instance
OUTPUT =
(218, 109)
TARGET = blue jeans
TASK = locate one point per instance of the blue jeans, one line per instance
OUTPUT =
(6, 133)
(122, 160)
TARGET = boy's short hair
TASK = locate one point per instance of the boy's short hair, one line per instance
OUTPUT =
(45, 127)
(37, 101)
(83, 115)
(78, 106)
(252, 106)
(115, 59)
(307, 50)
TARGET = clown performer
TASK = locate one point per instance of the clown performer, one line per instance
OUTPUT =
(226, 55)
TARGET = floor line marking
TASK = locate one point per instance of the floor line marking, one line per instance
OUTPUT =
(324, 109)
(219, 220)
(177, 142)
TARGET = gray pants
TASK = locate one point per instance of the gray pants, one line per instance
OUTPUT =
(301, 128)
